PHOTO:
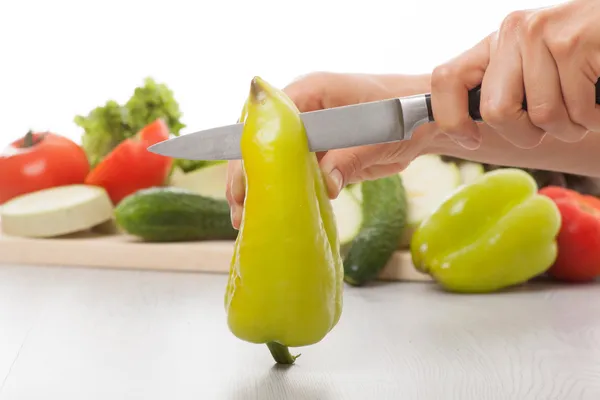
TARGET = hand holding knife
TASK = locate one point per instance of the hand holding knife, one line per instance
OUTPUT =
(334, 128)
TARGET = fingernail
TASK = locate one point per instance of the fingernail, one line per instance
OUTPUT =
(336, 177)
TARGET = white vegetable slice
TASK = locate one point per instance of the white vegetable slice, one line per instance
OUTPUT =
(470, 171)
(208, 181)
(348, 216)
(56, 211)
(428, 181)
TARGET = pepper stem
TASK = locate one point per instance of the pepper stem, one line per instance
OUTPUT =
(281, 353)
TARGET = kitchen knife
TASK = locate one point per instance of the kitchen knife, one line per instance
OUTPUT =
(334, 128)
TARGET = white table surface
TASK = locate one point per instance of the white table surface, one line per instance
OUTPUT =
(69, 333)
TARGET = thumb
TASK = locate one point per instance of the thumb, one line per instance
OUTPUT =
(344, 166)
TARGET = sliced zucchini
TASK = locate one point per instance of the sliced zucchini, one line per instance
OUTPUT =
(56, 211)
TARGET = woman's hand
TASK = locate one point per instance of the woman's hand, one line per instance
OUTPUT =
(552, 54)
(326, 90)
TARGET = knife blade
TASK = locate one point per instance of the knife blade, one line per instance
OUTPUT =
(340, 127)
(333, 128)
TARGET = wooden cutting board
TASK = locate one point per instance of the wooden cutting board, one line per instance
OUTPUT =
(101, 250)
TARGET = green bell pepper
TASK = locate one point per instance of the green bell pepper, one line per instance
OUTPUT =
(491, 234)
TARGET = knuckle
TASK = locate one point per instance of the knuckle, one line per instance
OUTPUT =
(444, 74)
(514, 21)
(533, 25)
(563, 46)
(495, 113)
(544, 115)
(353, 164)
(579, 113)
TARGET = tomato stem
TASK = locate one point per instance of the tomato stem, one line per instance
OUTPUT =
(28, 139)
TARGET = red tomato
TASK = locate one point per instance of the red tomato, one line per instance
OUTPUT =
(39, 161)
(578, 240)
(130, 167)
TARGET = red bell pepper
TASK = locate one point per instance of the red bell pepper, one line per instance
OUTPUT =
(578, 240)
(130, 167)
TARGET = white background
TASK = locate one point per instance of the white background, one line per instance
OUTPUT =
(60, 58)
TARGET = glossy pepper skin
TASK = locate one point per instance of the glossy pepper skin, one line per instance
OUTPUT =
(286, 275)
(578, 257)
(491, 234)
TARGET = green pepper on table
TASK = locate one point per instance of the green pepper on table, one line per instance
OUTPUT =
(491, 234)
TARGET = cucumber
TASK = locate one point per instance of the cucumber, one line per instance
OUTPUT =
(168, 214)
(384, 212)
(56, 211)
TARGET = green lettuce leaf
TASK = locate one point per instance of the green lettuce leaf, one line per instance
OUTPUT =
(108, 125)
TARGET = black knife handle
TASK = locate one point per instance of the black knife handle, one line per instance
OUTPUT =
(475, 99)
